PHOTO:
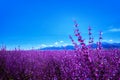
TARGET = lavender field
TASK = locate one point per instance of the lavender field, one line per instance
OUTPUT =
(82, 63)
(60, 65)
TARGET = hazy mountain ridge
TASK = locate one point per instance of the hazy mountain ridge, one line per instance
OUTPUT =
(71, 47)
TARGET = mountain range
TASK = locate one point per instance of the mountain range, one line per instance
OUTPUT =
(71, 47)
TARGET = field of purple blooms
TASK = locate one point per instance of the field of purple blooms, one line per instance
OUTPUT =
(83, 63)
(60, 65)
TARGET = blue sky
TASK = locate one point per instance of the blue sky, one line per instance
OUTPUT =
(46, 22)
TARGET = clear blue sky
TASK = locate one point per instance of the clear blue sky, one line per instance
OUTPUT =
(35, 22)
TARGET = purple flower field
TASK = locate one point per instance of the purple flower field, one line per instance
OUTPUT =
(60, 65)
(83, 63)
